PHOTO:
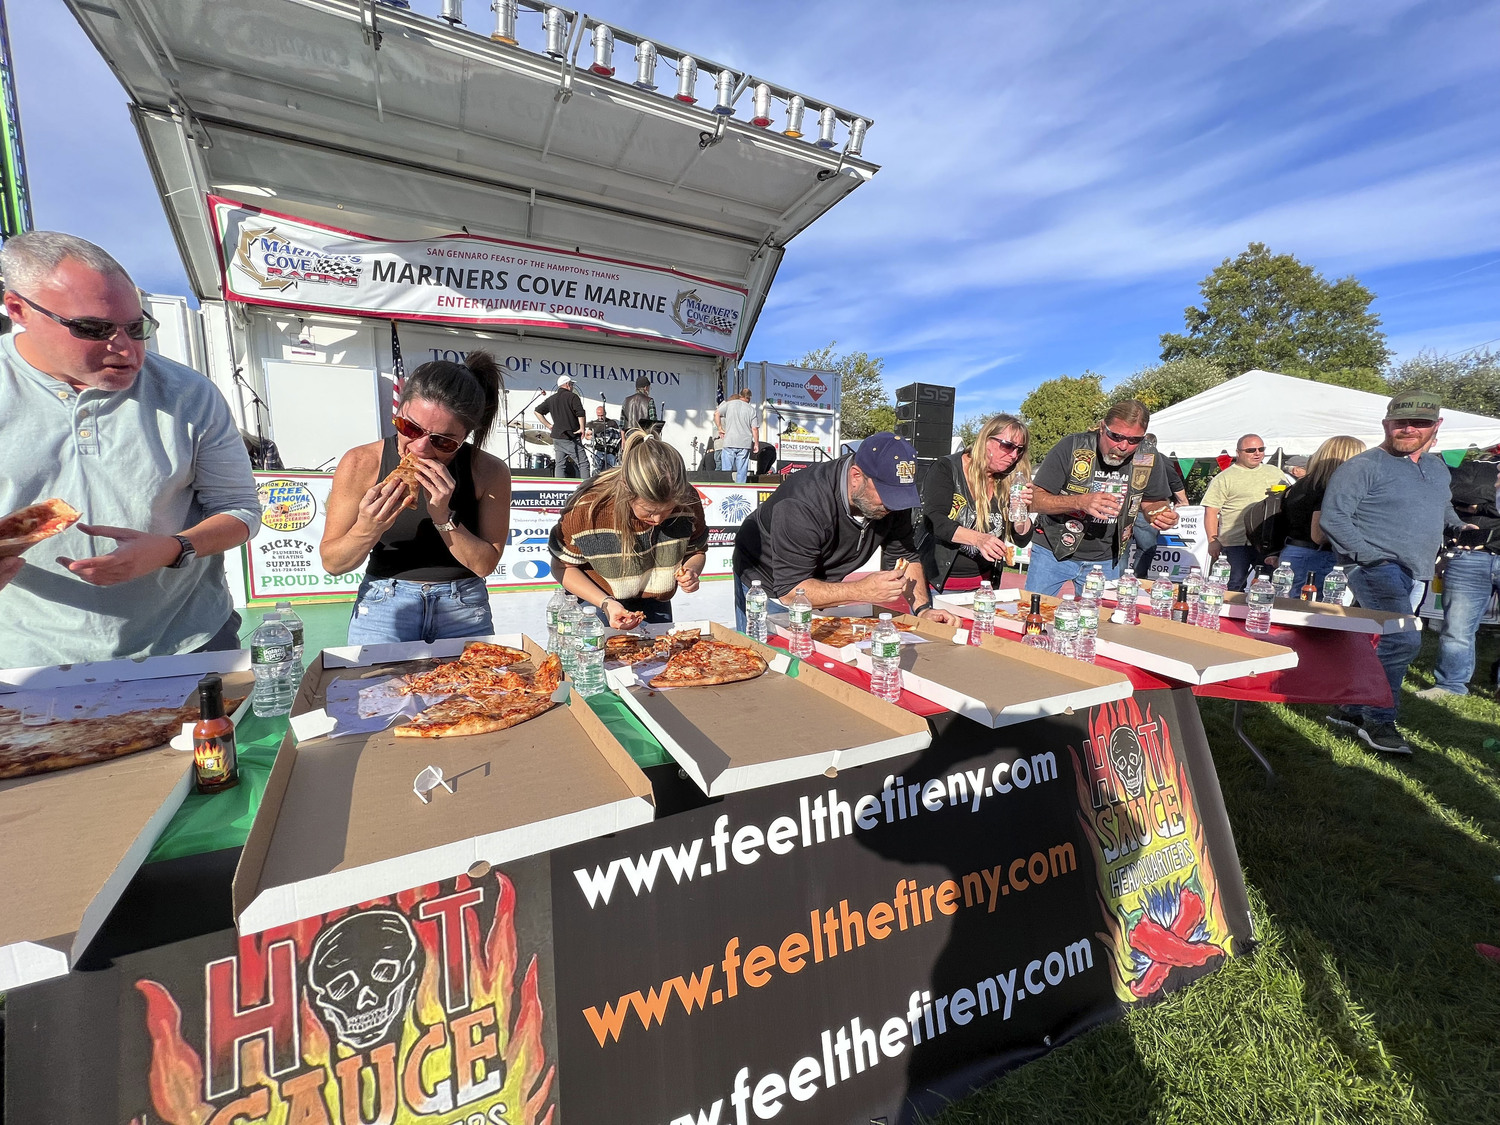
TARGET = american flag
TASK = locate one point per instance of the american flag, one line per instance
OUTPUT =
(719, 392)
(398, 370)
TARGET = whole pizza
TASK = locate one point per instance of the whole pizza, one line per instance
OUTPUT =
(487, 690)
(708, 662)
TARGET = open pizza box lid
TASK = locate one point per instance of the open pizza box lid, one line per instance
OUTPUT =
(341, 824)
(1322, 615)
(795, 721)
(71, 840)
(998, 682)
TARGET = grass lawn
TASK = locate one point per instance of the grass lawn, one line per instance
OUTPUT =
(1371, 879)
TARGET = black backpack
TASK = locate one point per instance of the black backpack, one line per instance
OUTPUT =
(1265, 524)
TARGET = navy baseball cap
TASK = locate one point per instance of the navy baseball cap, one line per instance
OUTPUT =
(890, 462)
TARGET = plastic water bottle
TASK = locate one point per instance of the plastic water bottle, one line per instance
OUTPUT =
(1088, 629)
(1259, 600)
(1093, 583)
(1210, 603)
(1284, 580)
(885, 661)
(554, 607)
(294, 623)
(1222, 569)
(1334, 586)
(757, 625)
(799, 618)
(275, 666)
(1017, 511)
(588, 677)
(984, 613)
(1065, 627)
(568, 621)
(1161, 597)
(1127, 594)
(1194, 585)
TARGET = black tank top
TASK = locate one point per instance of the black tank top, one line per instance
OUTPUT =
(413, 548)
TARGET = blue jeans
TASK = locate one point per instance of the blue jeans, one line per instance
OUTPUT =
(1145, 537)
(1388, 587)
(741, 588)
(1304, 559)
(1468, 581)
(388, 610)
(1241, 559)
(604, 461)
(1047, 572)
(735, 460)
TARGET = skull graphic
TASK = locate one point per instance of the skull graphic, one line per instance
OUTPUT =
(360, 973)
(1125, 755)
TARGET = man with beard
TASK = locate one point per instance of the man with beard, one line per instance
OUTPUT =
(1384, 514)
(1087, 493)
(824, 522)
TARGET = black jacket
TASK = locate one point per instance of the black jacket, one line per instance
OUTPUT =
(947, 505)
(638, 412)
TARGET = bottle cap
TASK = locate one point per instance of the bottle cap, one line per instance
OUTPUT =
(211, 696)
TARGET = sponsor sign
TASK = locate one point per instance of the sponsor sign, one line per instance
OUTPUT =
(274, 259)
(783, 385)
(1183, 547)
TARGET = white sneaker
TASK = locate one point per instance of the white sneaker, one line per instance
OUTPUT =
(1434, 692)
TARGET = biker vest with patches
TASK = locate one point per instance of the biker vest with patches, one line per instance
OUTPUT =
(1065, 532)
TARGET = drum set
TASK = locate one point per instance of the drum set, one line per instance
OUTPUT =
(525, 459)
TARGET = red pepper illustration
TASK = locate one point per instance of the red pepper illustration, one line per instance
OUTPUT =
(1168, 946)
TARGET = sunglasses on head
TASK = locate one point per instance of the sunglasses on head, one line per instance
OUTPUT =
(411, 432)
(96, 329)
(1009, 446)
(1123, 439)
(1253, 449)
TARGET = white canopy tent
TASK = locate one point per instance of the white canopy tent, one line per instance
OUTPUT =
(1296, 415)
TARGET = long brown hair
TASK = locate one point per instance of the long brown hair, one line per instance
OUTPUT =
(649, 470)
(470, 390)
(986, 487)
(1330, 455)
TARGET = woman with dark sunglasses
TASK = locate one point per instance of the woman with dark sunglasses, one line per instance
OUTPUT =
(966, 535)
(425, 577)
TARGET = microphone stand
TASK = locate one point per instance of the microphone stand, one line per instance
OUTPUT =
(260, 403)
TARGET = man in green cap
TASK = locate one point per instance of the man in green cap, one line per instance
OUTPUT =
(1384, 514)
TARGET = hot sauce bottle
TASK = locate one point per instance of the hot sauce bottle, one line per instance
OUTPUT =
(1310, 588)
(1033, 623)
(1179, 604)
(214, 759)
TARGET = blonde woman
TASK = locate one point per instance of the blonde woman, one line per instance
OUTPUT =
(1306, 549)
(633, 536)
(966, 536)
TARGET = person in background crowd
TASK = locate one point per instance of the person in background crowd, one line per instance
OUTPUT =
(765, 459)
(1088, 492)
(639, 411)
(739, 434)
(563, 411)
(1471, 575)
(825, 521)
(145, 447)
(1244, 482)
(633, 536)
(1145, 535)
(604, 436)
(1306, 549)
(1295, 467)
(425, 576)
(966, 534)
(1384, 513)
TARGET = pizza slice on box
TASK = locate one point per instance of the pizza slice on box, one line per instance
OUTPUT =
(29, 526)
(709, 662)
(462, 715)
(485, 655)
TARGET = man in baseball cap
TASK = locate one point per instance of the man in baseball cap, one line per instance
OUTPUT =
(562, 410)
(824, 523)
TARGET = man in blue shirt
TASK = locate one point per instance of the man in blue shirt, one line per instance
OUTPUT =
(1384, 514)
(145, 448)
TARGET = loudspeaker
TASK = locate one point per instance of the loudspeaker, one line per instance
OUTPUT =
(930, 439)
(939, 412)
(927, 393)
(713, 476)
(925, 411)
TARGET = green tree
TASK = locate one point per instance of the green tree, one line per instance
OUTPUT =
(865, 407)
(1270, 311)
(1467, 382)
(968, 428)
(1058, 407)
(1169, 383)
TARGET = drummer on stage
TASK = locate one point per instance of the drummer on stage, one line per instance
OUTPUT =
(823, 523)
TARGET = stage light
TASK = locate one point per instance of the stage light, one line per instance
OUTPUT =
(604, 51)
(687, 79)
(505, 21)
(645, 64)
(857, 129)
(826, 121)
(762, 116)
(555, 21)
(795, 107)
(724, 86)
(453, 11)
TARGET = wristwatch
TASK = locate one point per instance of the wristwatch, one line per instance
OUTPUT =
(451, 525)
(185, 556)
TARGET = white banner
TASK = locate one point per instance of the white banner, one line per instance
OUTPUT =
(1183, 547)
(274, 259)
(782, 385)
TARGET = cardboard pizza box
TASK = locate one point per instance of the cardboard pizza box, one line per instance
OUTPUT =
(1321, 615)
(778, 727)
(71, 840)
(846, 654)
(341, 824)
(999, 682)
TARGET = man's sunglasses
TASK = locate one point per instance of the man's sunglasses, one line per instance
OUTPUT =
(411, 432)
(93, 328)
(1253, 449)
(1009, 446)
(1123, 439)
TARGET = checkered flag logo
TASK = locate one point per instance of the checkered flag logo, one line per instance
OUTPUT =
(339, 270)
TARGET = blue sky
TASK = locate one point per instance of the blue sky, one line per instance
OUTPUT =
(1057, 176)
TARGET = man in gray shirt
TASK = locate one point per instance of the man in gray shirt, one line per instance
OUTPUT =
(145, 448)
(739, 433)
(1383, 514)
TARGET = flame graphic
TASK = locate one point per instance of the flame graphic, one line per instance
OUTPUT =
(377, 1087)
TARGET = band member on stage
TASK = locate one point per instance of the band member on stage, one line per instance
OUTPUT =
(604, 437)
(425, 579)
(639, 411)
(633, 536)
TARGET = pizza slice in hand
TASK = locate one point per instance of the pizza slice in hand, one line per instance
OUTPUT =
(29, 526)
(406, 473)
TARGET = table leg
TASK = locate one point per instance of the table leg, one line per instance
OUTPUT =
(1239, 729)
